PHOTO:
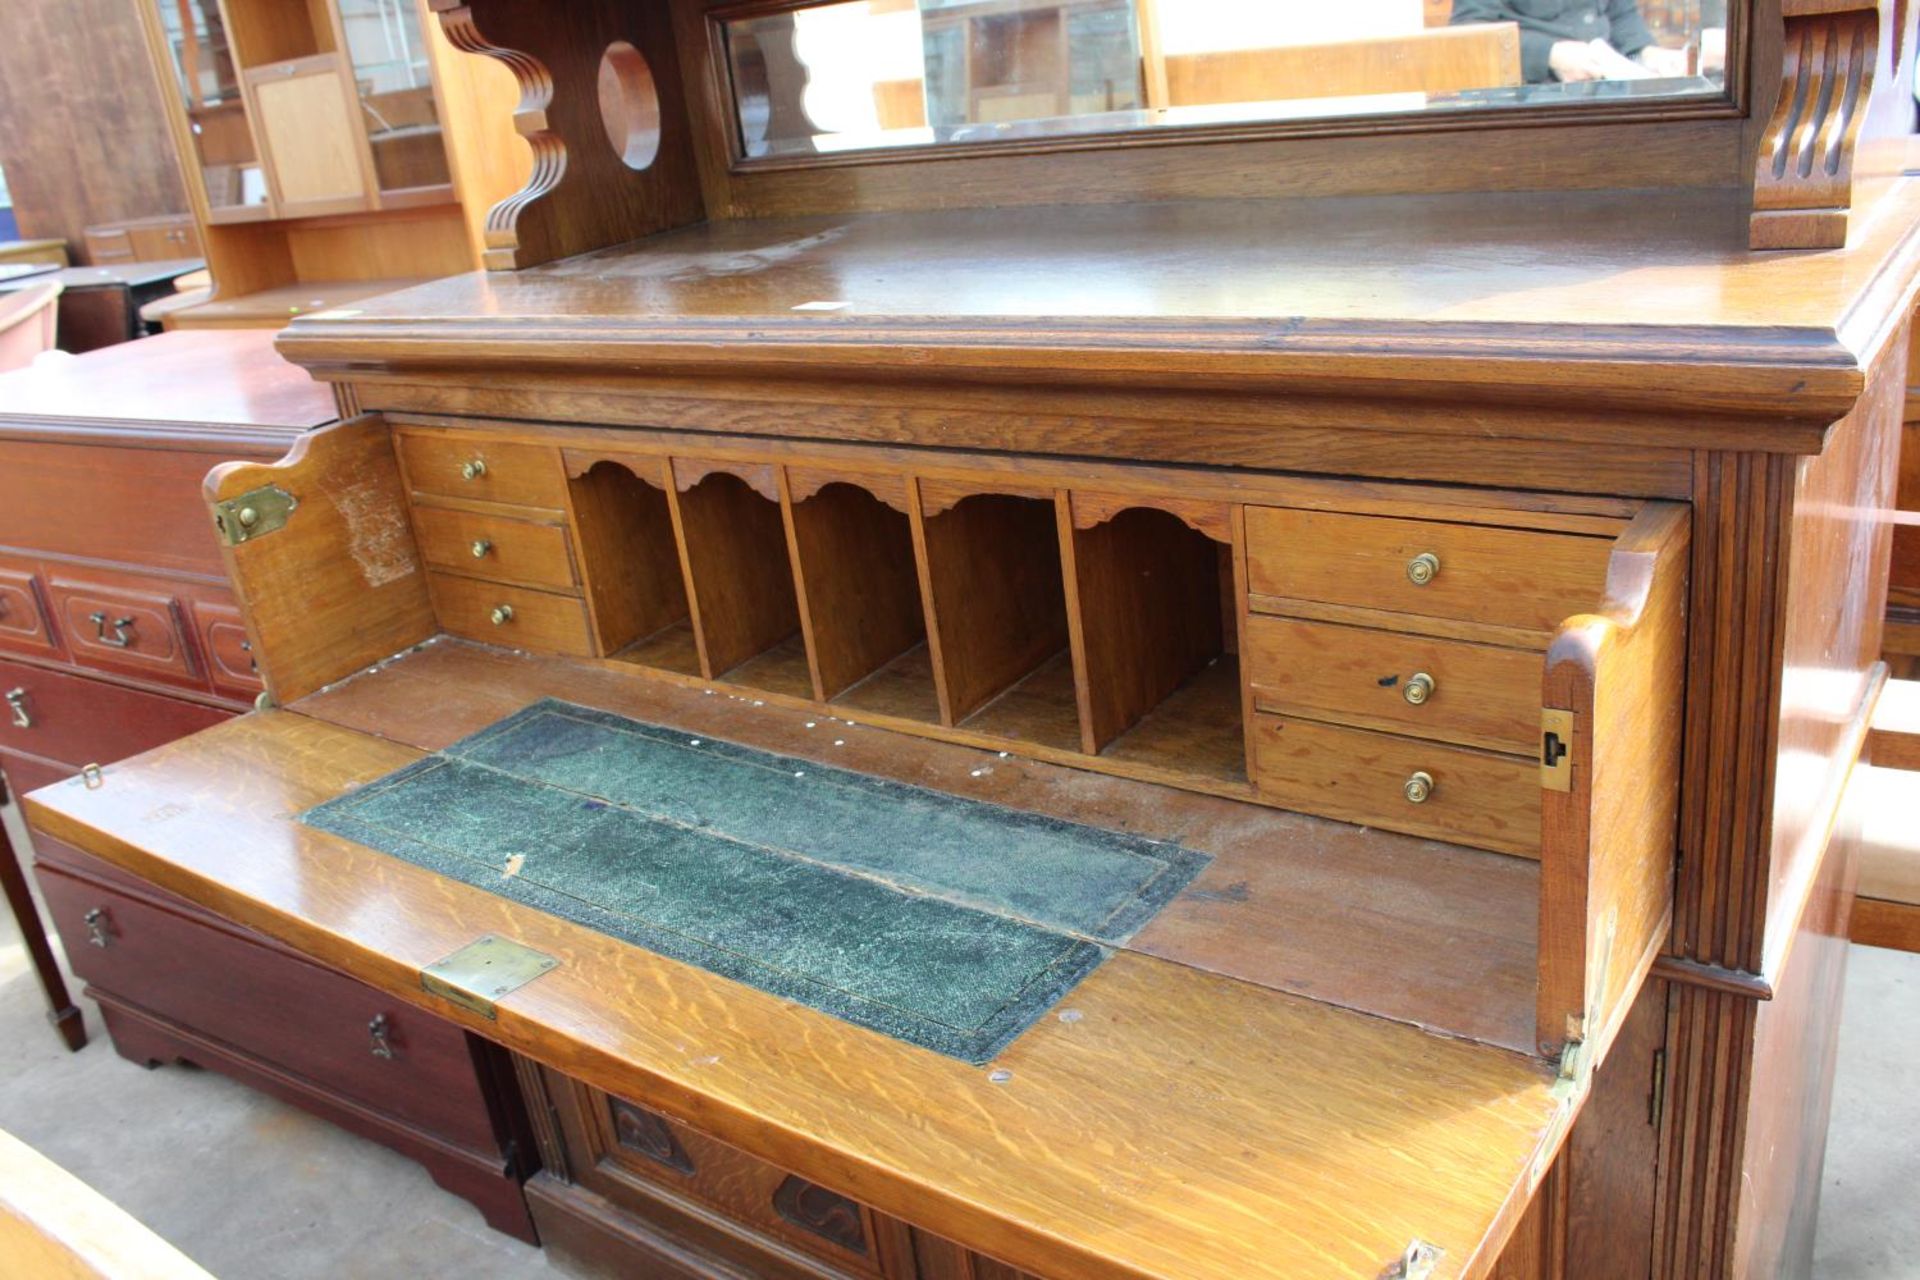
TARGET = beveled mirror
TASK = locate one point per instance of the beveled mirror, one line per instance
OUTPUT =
(863, 75)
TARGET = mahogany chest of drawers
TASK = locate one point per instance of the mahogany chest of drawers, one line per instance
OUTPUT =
(119, 634)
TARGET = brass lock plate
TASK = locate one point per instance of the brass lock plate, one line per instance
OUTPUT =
(1556, 749)
(478, 974)
(253, 514)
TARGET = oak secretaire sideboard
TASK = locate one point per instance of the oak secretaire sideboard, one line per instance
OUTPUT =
(1271, 702)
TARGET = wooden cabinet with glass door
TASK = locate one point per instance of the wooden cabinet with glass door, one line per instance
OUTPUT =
(317, 143)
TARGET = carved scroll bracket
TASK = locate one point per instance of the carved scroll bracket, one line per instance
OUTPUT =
(584, 191)
(1843, 68)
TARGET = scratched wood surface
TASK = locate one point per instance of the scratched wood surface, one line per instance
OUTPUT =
(1621, 298)
(1263, 1134)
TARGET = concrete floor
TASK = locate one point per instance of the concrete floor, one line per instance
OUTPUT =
(253, 1189)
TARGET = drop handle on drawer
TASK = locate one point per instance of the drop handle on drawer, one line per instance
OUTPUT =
(1418, 688)
(480, 548)
(1419, 787)
(502, 614)
(1423, 568)
(17, 705)
(96, 922)
(121, 638)
(380, 1038)
(473, 469)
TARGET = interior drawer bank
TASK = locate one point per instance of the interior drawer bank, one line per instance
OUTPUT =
(1114, 618)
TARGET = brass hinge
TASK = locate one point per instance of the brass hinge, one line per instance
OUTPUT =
(1657, 1101)
(1556, 749)
(1576, 1068)
(484, 970)
(253, 514)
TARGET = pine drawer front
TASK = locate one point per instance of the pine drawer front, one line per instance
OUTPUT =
(635, 1146)
(23, 623)
(481, 470)
(1476, 695)
(77, 720)
(497, 548)
(316, 1024)
(1475, 798)
(125, 629)
(1473, 573)
(515, 617)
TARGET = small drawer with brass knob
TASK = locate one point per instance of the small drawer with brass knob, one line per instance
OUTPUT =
(516, 617)
(1459, 691)
(1486, 799)
(528, 553)
(471, 467)
(1518, 580)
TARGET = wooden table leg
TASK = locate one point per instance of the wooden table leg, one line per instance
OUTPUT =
(61, 1011)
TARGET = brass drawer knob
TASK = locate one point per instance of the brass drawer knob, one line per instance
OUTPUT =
(1419, 787)
(1423, 568)
(480, 548)
(96, 922)
(502, 614)
(17, 705)
(1418, 688)
(473, 469)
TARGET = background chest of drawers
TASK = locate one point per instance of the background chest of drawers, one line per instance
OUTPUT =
(118, 633)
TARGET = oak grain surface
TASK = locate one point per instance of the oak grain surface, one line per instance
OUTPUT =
(1264, 1134)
